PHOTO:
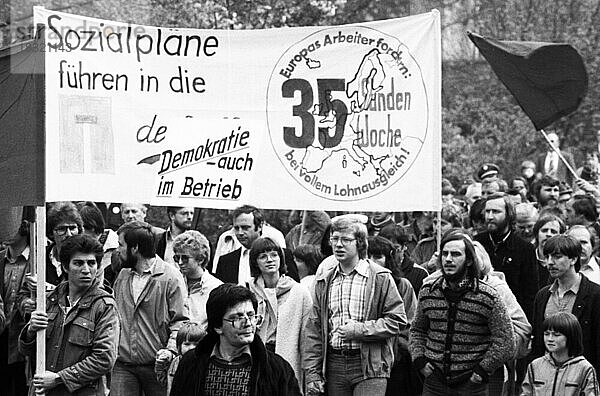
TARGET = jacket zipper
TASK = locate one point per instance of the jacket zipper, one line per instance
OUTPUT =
(555, 378)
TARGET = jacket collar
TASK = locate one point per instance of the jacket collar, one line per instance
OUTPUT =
(85, 301)
(331, 265)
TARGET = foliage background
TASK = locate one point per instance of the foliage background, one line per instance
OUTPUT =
(481, 120)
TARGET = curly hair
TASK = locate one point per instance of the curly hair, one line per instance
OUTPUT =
(196, 243)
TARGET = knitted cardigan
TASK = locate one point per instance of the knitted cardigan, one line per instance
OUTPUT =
(473, 334)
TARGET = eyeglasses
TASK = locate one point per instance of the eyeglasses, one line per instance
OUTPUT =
(345, 241)
(183, 258)
(62, 230)
(241, 321)
(268, 255)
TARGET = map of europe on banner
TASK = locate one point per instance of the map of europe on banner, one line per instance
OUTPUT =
(328, 118)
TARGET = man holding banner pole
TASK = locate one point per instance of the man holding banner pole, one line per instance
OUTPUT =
(81, 323)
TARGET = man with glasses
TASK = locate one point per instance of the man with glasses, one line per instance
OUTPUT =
(150, 295)
(357, 313)
(232, 359)
(62, 221)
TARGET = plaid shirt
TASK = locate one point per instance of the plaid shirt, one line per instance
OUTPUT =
(347, 302)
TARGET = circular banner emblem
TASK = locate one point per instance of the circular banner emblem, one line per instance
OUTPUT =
(347, 112)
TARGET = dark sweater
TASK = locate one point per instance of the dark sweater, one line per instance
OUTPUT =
(270, 373)
(459, 333)
(515, 257)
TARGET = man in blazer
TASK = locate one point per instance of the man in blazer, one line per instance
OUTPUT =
(549, 163)
(234, 267)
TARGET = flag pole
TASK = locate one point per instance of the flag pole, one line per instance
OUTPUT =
(39, 257)
(557, 151)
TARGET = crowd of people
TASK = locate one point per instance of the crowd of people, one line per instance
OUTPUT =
(498, 294)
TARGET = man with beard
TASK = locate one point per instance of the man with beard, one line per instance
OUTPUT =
(508, 252)
(150, 296)
(181, 221)
(589, 264)
(547, 191)
(462, 332)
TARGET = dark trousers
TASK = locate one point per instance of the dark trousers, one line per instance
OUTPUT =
(12, 376)
(435, 385)
(404, 376)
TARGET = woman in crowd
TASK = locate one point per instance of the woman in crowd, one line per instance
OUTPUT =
(547, 226)
(307, 258)
(191, 253)
(284, 303)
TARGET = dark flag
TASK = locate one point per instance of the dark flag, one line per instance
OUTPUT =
(22, 152)
(548, 80)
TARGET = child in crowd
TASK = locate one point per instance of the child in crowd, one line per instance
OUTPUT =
(563, 371)
(188, 337)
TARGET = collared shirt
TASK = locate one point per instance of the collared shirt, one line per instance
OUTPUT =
(244, 355)
(551, 163)
(14, 271)
(244, 271)
(562, 302)
(591, 270)
(228, 243)
(56, 263)
(169, 247)
(138, 281)
(347, 296)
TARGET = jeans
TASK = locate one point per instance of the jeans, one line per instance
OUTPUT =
(130, 380)
(434, 385)
(344, 377)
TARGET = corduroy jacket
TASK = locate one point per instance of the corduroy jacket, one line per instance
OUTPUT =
(385, 318)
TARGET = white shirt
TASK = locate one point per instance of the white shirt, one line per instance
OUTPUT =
(551, 163)
(591, 270)
(244, 272)
(227, 242)
(169, 248)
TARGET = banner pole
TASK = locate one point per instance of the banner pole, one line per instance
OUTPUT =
(557, 151)
(39, 256)
(438, 232)
(303, 226)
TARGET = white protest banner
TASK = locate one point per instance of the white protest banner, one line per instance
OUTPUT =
(329, 118)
